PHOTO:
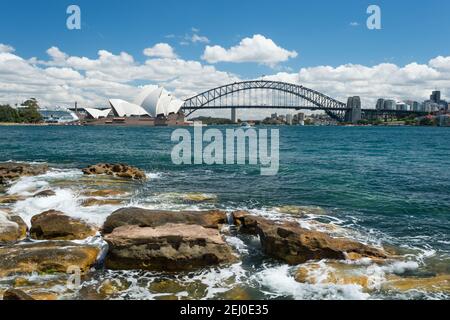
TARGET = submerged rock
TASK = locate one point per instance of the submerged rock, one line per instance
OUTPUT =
(55, 225)
(10, 171)
(12, 228)
(333, 273)
(300, 211)
(46, 257)
(100, 202)
(117, 170)
(289, 242)
(155, 218)
(104, 193)
(438, 283)
(198, 197)
(44, 193)
(10, 199)
(16, 294)
(168, 247)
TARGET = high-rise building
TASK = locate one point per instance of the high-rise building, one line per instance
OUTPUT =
(380, 104)
(289, 119)
(301, 119)
(435, 96)
(390, 105)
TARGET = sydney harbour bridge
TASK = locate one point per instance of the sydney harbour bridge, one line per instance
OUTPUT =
(263, 94)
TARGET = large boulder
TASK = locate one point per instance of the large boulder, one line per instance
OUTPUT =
(293, 244)
(155, 218)
(12, 228)
(169, 247)
(10, 171)
(46, 257)
(55, 225)
(15, 295)
(117, 170)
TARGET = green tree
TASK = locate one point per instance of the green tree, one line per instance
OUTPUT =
(8, 114)
(29, 115)
(32, 102)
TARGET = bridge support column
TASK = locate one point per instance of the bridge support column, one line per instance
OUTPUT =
(353, 114)
(233, 115)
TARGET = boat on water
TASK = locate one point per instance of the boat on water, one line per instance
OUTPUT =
(246, 125)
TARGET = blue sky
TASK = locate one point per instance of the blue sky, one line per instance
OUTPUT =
(318, 30)
(125, 45)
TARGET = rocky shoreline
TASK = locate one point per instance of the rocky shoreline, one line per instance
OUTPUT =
(170, 241)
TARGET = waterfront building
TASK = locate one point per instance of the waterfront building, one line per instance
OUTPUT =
(390, 104)
(122, 108)
(402, 106)
(289, 119)
(380, 104)
(414, 105)
(301, 118)
(92, 113)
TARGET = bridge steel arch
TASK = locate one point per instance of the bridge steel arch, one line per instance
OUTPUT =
(314, 99)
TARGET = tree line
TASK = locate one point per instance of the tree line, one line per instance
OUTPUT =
(27, 113)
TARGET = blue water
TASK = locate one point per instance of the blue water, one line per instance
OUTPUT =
(391, 183)
(396, 180)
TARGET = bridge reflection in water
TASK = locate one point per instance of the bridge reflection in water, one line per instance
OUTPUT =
(263, 94)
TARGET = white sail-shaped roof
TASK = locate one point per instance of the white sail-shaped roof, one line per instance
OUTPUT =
(123, 108)
(150, 102)
(174, 106)
(163, 104)
(145, 92)
(96, 113)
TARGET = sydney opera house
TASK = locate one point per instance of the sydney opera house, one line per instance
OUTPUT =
(154, 106)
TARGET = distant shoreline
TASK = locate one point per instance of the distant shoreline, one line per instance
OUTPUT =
(10, 124)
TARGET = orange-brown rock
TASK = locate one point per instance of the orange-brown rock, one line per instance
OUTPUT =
(46, 257)
(155, 218)
(117, 170)
(16, 294)
(293, 244)
(169, 247)
(12, 228)
(55, 225)
(100, 202)
(438, 283)
(10, 171)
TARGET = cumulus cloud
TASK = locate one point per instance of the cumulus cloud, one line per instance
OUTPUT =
(197, 38)
(62, 78)
(6, 48)
(256, 49)
(160, 50)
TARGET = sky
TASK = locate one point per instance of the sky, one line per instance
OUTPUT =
(192, 46)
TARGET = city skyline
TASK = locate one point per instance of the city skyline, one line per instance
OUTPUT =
(107, 60)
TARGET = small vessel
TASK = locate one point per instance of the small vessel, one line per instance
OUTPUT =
(246, 125)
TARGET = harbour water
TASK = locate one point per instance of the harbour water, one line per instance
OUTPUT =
(386, 186)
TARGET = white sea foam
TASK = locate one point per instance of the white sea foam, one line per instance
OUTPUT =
(153, 175)
(280, 282)
(28, 185)
(66, 201)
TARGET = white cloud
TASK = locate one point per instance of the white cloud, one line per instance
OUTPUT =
(440, 63)
(354, 24)
(201, 39)
(160, 50)
(63, 79)
(256, 49)
(6, 48)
